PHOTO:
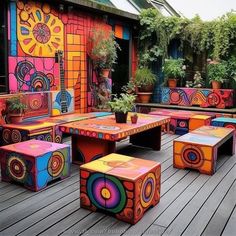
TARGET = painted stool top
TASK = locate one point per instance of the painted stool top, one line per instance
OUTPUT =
(121, 166)
(206, 135)
(33, 147)
(201, 117)
(225, 119)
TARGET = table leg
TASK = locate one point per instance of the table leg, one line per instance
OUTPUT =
(86, 149)
(150, 138)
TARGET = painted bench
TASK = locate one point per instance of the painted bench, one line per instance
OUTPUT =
(35, 163)
(123, 186)
(225, 122)
(199, 149)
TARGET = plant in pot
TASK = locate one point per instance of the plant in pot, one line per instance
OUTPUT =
(144, 80)
(103, 51)
(173, 69)
(216, 73)
(121, 106)
(231, 70)
(15, 109)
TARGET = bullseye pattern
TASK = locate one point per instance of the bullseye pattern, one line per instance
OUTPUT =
(148, 190)
(192, 156)
(106, 193)
(16, 167)
(182, 124)
(213, 99)
(6, 134)
(16, 136)
(56, 164)
(35, 102)
(232, 126)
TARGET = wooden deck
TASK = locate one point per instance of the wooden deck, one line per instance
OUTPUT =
(191, 203)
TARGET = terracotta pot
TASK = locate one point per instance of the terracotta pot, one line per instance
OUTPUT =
(15, 118)
(121, 117)
(172, 83)
(216, 84)
(146, 88)
(105, 73)
(134, 119)
(144, 97)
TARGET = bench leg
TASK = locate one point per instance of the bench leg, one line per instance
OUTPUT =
(150, 138)
(86, 149)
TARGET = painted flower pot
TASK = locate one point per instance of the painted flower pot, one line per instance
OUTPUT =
(172, 83)
(144, 97)
(216, 84)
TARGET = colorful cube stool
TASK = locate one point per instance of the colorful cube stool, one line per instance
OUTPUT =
(121, 185)
(225, 122)
(34, 163)
(197, 121)
(199, 149)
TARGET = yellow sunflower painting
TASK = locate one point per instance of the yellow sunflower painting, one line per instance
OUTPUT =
(40, 33)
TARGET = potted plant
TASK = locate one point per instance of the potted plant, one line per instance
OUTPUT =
(121, 106)
(217, 73)
(173, 69)
(144, 80)
(103, 51)
(231, 70)
(15, 109)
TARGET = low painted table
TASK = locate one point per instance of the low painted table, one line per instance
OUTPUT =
(197, 121)
(121, 185)
(199, 148)
(225, 122)
(46, 129)
(34, 163)
(92, 139)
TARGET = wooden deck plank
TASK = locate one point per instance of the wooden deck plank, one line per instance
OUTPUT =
(41, 214)
(230, 228)
(223, 213)
(181, 221)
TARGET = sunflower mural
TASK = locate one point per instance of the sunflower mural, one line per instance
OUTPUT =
(40, 32)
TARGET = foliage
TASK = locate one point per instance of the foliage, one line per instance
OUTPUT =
(123, 104)
(216, 37)
(144, 76)
(104, 49)
(129, 87)
(198, 81)
(174, 68)
(217, 71)
(231, 68)
(15, 105)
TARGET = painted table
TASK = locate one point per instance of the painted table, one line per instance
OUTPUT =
(225, 122)
(43, 129)
(199, 148)
(34, 163)
(121, 185)
(202, 97)
(92, 139)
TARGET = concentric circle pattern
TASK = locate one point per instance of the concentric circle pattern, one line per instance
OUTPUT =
(15, 136)
(6, 134)
(148, 190)
(213, 99)
(106, 193)
(193, 157)
(56, 164)
(16, 167)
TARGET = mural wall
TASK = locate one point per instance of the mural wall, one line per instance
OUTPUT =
(36, 31)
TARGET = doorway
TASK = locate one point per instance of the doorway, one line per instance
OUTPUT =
(120, 75)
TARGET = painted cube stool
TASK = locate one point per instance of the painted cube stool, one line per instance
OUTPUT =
(121, 185)
(225, 122)
(199, 120)
(34, 163)
(199, 149)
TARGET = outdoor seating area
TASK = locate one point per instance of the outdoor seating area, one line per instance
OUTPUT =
(116, 118)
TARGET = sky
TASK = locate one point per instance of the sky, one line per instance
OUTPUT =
(207, 9)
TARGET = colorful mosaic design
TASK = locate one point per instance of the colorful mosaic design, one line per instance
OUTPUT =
(220, 98)
(107, 128)
(121, 185)
(199, 149)
(35, 163)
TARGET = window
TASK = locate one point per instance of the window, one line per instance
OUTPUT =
(3, 48)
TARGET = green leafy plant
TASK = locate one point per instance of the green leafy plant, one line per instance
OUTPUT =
(144, 76)
(104, 49)
(124, 103)
(217, 71)
(15, 105)
(174, 68)
(231, 68)
(129, 87)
